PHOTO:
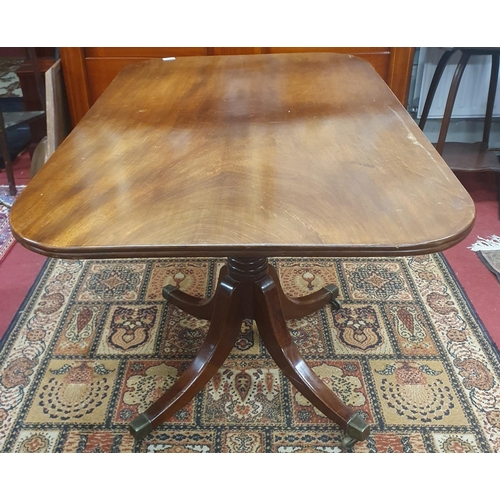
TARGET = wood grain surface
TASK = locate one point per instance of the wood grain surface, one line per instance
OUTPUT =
(305, 154)
(89, 70)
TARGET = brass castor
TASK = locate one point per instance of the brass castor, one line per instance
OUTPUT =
(140, 427)
(357, 430)
(335, 293)
(348, 443)
(167, 290)
(335, 305)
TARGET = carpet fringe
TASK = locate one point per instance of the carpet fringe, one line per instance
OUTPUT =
(491, 243)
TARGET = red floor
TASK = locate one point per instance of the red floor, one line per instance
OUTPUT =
(20, 267)
(480, 285)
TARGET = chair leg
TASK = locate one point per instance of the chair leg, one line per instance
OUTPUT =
(434, 85)
(4, 149)
(491, 98)
(451, 100)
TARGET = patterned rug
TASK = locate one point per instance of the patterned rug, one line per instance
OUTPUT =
(94, 344)
(6, 238)
(10, 85)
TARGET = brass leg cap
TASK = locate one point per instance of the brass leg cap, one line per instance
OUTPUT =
(140, 427)
(334, 290)
(357, 428)
(167, 290)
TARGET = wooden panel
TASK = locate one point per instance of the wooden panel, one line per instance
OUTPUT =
(381, 63)
(144, 52)
(75, 79)
(400, 72)
(338, 50)
(234, 51)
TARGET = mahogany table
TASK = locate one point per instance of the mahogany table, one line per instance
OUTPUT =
(246, 157)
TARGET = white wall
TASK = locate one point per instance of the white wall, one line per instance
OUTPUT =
(470, 105)
(473, 91)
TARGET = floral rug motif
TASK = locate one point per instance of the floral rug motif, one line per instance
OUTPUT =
(6, 238)
(94, 344)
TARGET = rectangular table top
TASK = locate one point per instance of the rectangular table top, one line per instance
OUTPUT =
(258, 155)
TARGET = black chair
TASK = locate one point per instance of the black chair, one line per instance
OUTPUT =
(485, 160)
